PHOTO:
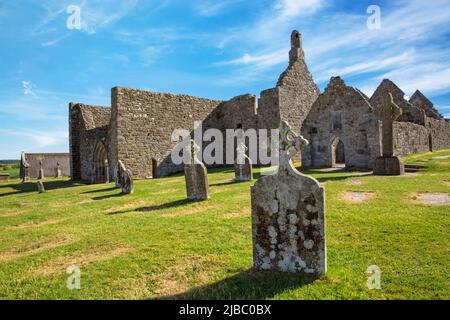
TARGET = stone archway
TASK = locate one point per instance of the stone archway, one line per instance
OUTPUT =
(100, 172)
(337, 153)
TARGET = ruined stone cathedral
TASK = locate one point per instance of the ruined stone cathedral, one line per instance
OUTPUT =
(339, 123)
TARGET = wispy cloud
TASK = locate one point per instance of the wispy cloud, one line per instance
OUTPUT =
(150, 54)
(38, 139)
(209, 8)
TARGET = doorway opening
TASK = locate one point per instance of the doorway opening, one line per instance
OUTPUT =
(101, 165)
(337, 154)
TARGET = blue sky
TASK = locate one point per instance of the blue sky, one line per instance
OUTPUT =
(211, 49)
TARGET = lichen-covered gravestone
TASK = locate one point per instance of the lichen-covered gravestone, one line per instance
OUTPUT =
(388, 164)
(196, 175)
(243, 167)
(24, 169)
(41, 171)
(288, 215)
(40, 187)
(124, 179)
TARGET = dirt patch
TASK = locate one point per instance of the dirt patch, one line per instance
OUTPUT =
(125, 207)
(356, 183)
(162, 192)
(33, 224)
(34, 248)
(188, 273)
(166, 182)
(358, 197)
(10, 213)
(188, 211)
(439, 199)
(235, 215)
(80, 259)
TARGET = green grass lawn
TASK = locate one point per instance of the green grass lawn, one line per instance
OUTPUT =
(155, 244)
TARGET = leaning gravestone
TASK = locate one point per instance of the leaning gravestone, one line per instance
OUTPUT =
(40, 187)
(24, 169)
(196, 175)
(288, 215)
(388, 164)
(124, 178)
(41, 171)
(243, 167)
(119, 173)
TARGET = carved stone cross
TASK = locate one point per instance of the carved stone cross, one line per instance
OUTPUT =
(290, 144)
(387, 113)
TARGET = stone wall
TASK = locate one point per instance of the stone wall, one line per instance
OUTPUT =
(341, 113)
(419, 100)
(88, 125)
(410, 138)
(296, 88)
(439, 133)
(143, 126)
(49, 164)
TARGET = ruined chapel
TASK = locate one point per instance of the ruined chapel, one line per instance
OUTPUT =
(339, 123)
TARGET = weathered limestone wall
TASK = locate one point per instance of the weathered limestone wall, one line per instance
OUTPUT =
(439, 130)
(296, 88)
(341, 113)
(88, 125)
(144, 124)
(49, 164)
(419, 100)
(410, 138)
(411, 113)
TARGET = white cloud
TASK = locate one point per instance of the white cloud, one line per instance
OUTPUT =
(288, 9)
(150, 54)
(209, 8)
(38, 139)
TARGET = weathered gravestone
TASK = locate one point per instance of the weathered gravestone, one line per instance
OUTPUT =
(124, 178)
(243, 167)
(196, 175)
(288, 215)
(58, 171)
(24, 169)
(41, 171)
(388, 164)
(40, 187)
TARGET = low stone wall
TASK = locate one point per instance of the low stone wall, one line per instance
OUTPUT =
(49, 163)
(410, 138)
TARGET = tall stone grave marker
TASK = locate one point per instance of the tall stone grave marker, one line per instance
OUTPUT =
(24, 169)
(388, 164)
(288, 215)
(58, 173)
(243, 168)
(41, 171)
(124, 179)
(40, 187)
(196, 175)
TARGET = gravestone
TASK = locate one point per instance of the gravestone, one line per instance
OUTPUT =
(41, 171)
(196, 175)
(288, 215)
(119, 174)
(388, 164)
(243, 167)
(40, 187)
(24, 169)
(58, 173)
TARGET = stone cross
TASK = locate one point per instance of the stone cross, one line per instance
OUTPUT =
(41, 171)
(243, 168)
(196, 175)
(387, 113)
(288, 215)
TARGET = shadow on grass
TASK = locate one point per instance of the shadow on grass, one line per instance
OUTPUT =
(101, 190)
(172, 204)
(108, 196)
(247, 285)
(32, 186)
